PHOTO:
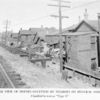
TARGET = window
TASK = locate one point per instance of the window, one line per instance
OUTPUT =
(93, 39)
(93, 64)
(93, 42)
(93, 46)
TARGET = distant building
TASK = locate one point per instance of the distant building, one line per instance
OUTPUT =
(33, 35)
(26, 37)
(10, 38)
(13, 40)
(42, 32)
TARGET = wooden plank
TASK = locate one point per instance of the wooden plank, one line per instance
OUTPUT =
(83, 72)
(43, 61)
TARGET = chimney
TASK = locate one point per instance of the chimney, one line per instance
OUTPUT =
(20, 30)
(42, 27)
(98, 40)
(86, 15)
(99, 22)
(79, 18)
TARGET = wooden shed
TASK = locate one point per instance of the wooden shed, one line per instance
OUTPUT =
(81, 48)
(87, 26)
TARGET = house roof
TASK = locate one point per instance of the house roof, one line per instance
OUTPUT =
(79, 33)
(36, 29)
(15, 35)
(42, 32)
(93, 24)
(32, 31)
(25, 32)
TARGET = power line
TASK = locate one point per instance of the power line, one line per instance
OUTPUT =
(79, 6)
(69, 9)
(85, 4)
(7, 23)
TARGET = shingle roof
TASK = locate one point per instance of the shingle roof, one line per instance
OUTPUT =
(15, 35)
(92, 23)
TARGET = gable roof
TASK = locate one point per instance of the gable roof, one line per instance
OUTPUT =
(92, 24)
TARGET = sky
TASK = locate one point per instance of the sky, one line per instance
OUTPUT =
(34, 13)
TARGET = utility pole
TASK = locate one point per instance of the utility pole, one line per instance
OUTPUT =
(99, 39)
(6, 25)
(7, 22)
(60, 26)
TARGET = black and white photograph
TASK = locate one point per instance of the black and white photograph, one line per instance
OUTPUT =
(50, 44)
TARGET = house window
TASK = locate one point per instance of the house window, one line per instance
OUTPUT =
(93, 64)
(93, 42)
(93, 39)
(92, 46)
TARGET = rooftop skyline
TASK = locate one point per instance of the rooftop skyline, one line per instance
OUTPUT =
(34, 13)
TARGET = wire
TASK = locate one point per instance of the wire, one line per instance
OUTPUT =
(69, 9)
(86, 4)
(46, 16)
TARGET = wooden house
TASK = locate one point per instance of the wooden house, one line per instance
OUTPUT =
(10, 39)
(82, 45)
(28, 38)
(87, 26)
(13, 40)
(33, 35)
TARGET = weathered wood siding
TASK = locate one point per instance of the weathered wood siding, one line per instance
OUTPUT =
(84, 52)
(27, 40)
(81, 52)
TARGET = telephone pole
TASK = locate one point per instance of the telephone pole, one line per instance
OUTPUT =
(60, 6)
(6, 23)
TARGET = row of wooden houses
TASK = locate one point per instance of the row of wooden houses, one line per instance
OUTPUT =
(81, 42)
(26, 37)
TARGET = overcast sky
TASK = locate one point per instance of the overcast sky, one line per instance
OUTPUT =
(34, 13)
